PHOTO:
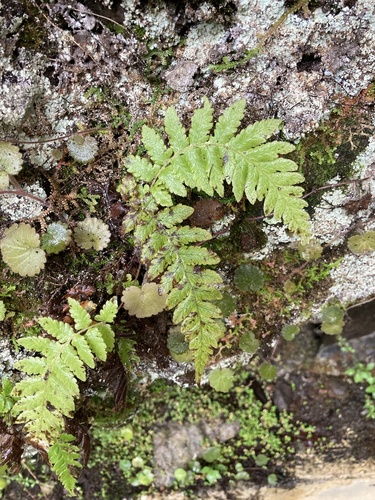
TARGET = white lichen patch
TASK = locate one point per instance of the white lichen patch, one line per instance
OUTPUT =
(354, 279)
(16, 207)
(331, 221)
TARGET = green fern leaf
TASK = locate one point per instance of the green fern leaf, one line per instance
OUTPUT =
(176, 132)
(155, 146)
(203, 336)
(141, 168)
(64, 456)
(83, 350)
(32, 366)
(108, 336)
(174, 215)
(229, 122)
(172, 182)
(201, 123)
(70, 358)
(97, 345)
(108, 312)
(203, 159)
(57, 329)
(161, 194)
(81, 317)
(36, 344)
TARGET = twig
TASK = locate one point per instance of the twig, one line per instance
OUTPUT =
(43, 141)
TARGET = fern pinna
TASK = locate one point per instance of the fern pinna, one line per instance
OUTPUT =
(204, 160)
(47, 394)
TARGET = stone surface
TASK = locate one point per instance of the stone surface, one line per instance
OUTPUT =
(176, 444)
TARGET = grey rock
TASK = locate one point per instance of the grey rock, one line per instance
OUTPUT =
(177, 444)
(181, 76)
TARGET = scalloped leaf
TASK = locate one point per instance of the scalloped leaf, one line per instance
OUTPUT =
(10, 159)
(222, 379)
(248, 342)
(56, 238)
(82, 148)
(362, 243)
(92, 233)
(20, 249)
(267, 371)
(145, 301)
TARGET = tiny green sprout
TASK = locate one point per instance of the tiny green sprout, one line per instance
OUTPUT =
(212, 454)
(211, 476)
(248, 342)
(268, 371)
(272, 480)
(180, 475)
(261, 460)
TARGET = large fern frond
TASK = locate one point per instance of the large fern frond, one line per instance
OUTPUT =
(204, 158)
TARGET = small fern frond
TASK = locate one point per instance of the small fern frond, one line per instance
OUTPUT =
(173, 256)
(47, 394)
(63, 456)
(108, 312)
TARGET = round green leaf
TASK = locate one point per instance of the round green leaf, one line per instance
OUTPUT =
(144, 302)
(20, 248)
(362, 243)
(221, 379)
(212, 454)
(248, 342)
(268, 371)
(249, 278)
(180, 475)
(289, 332)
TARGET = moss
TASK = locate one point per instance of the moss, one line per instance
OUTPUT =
(331, 150)
(34, 29)
(125, 443)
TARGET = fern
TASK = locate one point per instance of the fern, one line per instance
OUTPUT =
(205, 161)
(205, 158)
(46, 396)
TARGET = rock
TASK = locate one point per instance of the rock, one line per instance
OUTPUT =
(176, 444)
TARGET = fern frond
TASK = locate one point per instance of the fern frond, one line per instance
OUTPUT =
(63, 456)
(108, 312)
(204, 158)
(47, 394)
(192, 288)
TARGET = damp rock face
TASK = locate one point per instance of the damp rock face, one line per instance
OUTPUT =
(176, 444)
